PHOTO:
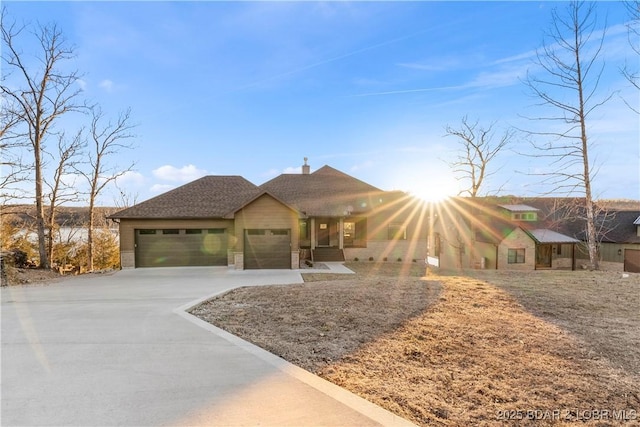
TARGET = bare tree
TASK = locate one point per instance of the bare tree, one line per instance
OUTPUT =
(478, 148)
(38, 98)
(125, 198)
(69, 152)
(571, 69)
(632, 74)
(105, 140)
(14, 170)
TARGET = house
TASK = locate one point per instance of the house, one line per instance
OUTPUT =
(489, 234)
(619, 247)
(228, 221)
(616, 232)
(531, 233)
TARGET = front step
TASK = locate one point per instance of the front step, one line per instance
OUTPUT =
(327, 255)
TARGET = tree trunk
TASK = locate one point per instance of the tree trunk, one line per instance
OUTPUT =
(40, 223)
(592, 242)
(90, 236)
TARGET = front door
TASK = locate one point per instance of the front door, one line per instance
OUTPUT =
(322, 232)
(543, 256)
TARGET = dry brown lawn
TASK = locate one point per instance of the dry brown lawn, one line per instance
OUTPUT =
(482, 349)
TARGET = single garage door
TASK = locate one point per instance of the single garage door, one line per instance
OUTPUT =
(632, 260)
(267, 248)
(181, 247)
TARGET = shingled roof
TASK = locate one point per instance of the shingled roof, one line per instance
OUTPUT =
(621, 227)
(326, 192)
(207, 197)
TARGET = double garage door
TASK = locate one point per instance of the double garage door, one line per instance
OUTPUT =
(267, 248)
(181, 247)
(263, 248)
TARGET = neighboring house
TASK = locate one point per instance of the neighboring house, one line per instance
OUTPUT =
(531, 233)
(226, 220)
(620, 241)
(486, 234)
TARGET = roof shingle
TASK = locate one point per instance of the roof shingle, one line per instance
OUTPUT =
(207, 197)
(326, 192)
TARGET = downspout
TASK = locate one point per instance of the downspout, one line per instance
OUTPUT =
(573, 257)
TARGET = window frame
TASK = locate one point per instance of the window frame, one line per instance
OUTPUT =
(396, 231)
(516, 255)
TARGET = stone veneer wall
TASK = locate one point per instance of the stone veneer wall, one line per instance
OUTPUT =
(517, 239)
(406, 250)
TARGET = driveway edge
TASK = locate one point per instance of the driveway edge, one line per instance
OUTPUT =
(336, 392)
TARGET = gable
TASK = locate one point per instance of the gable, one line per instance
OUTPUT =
(326, 192)
(265, 211)
(265, 203)
(518, 238)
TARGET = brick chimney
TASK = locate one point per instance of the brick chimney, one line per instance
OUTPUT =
(305, 167)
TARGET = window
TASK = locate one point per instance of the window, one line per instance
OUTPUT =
(397, 232)
(279, 232)
(255, 232)
(354, 233)
(192, 231)
(304, 229)
(515, 256)
(147, 231)
(348, 233)
(528, 216)
(171, 231)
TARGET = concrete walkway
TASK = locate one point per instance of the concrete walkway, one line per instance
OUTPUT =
(120, 350)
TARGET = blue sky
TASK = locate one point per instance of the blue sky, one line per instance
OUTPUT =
(251, 88)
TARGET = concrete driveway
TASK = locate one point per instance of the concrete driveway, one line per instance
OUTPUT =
(120, 350)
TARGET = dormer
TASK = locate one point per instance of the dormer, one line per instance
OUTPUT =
(520, 212)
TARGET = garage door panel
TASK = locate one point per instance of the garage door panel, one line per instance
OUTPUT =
(155, 248)
(632, 260)
(267, 249)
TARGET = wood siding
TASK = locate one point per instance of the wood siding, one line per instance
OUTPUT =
(266, 213)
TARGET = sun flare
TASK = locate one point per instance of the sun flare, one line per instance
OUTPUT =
(435, 190)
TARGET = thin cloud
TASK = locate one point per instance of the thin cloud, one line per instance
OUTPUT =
(161, 188)
(329, 60)
(184, 174)
(365, 165)
(130, 178)
(292, 169)
(107, 85)
(403, 91)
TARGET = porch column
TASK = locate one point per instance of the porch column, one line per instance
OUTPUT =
(341, 234)
(312, 224)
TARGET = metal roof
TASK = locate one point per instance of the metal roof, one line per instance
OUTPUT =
(543, 235)
(519, 208)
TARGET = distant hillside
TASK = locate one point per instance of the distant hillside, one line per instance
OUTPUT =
(612, 204)
(621, 205)
(24, 215)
